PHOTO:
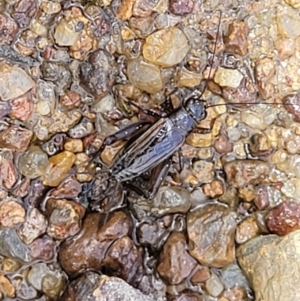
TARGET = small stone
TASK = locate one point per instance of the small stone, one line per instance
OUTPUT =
(222, 145)
(201, 275)
(181, 8)
(15, 138)
(166, 47)
(73, 145)
(291, 103)
(43, 108)
(43, 249)
(22, 108)
(247, 193)
(211, 235)
(66, 33)
(11, 213)
(125, 9)
(186, 78)
(9, 75)
(144, 8)
(199, 140)
(24, 11)
(71, 100)
(237, 39)
(8, 173)
(214, 286)
(174, 269)
(246, 230)
(271, 265)
(50, 7)
(65, 218)
(9, 265)
(260, 145)
(6, 287)
(262, 200)
(285, 47)
(98, 73)
(240, 173)
(293, 3)
(33, 163)
(8, 29)
(34, 226)
(228, 77)
(123, 260)
(288, 22)
(58, 168)
(93, 286)
(144, 75)
(214, 189)
(203, 171)
(284, 218)
(83, 129)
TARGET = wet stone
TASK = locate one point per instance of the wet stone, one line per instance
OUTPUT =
(246, 230)
(214, 286)
(88, 250)
(83, 129)
(144, 8)
(237, 39)
(8, 173)
(288, 22)
(271, 266)
(170, 200)
(98, 73)
(144, 75)
(64, 218)
(262, 199)
(21, 108)
(240, 173)
(5, 108)
(6, 287)
(125, 9)
(34, 226)
(187, 297)
(214, 189)
(222, 145)
(23, 11)
(44, 248)
(70, 100)
(166, 47)
(260, 145)
(203, 171)
(284, 218)
(181, 8)
(201, 274)
(9, 265)
(228, 77)
(8, 29)
(9, 76)
(15, 138)
(174, 269)
(58, 168)
(291, 103)
(92, 286)
(124, 260)
(33, 163)
(11, 213)
(211, 235)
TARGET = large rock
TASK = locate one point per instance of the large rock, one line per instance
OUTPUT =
(272, 265)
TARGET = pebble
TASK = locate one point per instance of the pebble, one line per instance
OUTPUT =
(288, 22)
(11, 213)
(70, 100)
(6, 287)
(144, 8)
(73, 145)
(201, 274)
(211, 235)
(203, 171)
(125, 10)
(260, 145)
(166, 47)
(214, 189)
(240, 173)
(237, 39)
(34, 226)
(93, 286)
(33, 163)
(222, 145)
(9, 265)
(271, 266)
(181, 7)
(22, 107)
(284, 218)
(291, 103)
(8, 29)
(246, 230)
(98, 73)
(23, 12)
(50, 7)
(293, 3)
(9, 76)
(58, 168)
(64, 218)
(228, 77)
(199, 140)
(174, 269)
(170, 200)
(8, 172)
(214, 286)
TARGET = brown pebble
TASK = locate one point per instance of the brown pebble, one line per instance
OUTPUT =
(213, 189)
(222, 145)
(181, 7)
(246, 230)
(262, 200)
(284, 218)
(71, 100)
(237, 40)
(291, 103)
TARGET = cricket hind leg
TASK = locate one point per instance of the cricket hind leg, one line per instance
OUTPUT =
(156, 177)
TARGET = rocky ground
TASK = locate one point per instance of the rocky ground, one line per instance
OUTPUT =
(224, 226)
